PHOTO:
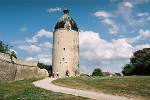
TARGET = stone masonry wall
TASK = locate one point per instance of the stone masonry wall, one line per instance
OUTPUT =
(16, 69)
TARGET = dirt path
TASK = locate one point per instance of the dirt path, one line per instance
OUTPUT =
(46, 84)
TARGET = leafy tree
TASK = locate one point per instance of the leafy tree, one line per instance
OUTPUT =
(13, 54)
(5, 48)
(139, 63)
(118, 74)
(128, 69)
(2, 47)
(97, 72)
(44, 66)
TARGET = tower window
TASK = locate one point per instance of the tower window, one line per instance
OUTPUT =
(60, 62)
(64, 48)
(63, 59)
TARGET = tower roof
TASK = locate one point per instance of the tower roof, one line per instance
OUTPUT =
(66, 18)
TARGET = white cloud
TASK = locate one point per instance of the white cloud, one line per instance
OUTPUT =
(121, 36)
(42, 32)
(142, 36)
(31, 59)
(46, 46)
(54, 9)
(103, 14)
(136, 2)
(32, 45)
(45, 60)
(142, 14)
(139, 47)
(127, 14)
(23, 29)
(128, 4)
(109, 56)
(114, 28)
(108, 21)
(132, 31)
(43, 56)
(112, 0)
(148, 18)
(30, 48)
(93, 47)
(34, 39)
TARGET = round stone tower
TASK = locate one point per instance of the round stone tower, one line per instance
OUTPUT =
(65, 54)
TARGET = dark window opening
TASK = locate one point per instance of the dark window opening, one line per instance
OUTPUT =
(64, 48)
(63, 59)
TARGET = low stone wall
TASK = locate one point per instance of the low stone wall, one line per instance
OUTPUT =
(18, 69)
(7, 72)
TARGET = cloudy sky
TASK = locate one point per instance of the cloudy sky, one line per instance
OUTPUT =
(109, 30)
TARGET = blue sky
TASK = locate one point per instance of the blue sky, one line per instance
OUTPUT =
(110, 30)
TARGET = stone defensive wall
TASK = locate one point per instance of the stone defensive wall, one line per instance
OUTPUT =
(14, 69)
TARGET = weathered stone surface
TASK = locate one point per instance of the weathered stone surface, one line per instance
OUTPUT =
(7, 72)
(16, 69)
(42, 73)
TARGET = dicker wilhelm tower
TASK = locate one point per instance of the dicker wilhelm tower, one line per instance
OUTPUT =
(65, 54)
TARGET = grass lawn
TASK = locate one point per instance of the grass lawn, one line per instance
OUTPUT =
(25, 90)
(137, 87)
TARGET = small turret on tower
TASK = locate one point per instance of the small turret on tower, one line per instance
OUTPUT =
(66, 11)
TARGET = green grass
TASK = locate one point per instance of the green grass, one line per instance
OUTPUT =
(137, 87)
(25, 90)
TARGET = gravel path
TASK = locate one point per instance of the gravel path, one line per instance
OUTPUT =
(46, 84)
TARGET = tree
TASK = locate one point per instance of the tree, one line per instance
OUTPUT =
(5, 48)
(1, 47)
(13, 54)
(44, 66)
(118, 74)
(139, 63)
(128, 70)
(97, 72)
